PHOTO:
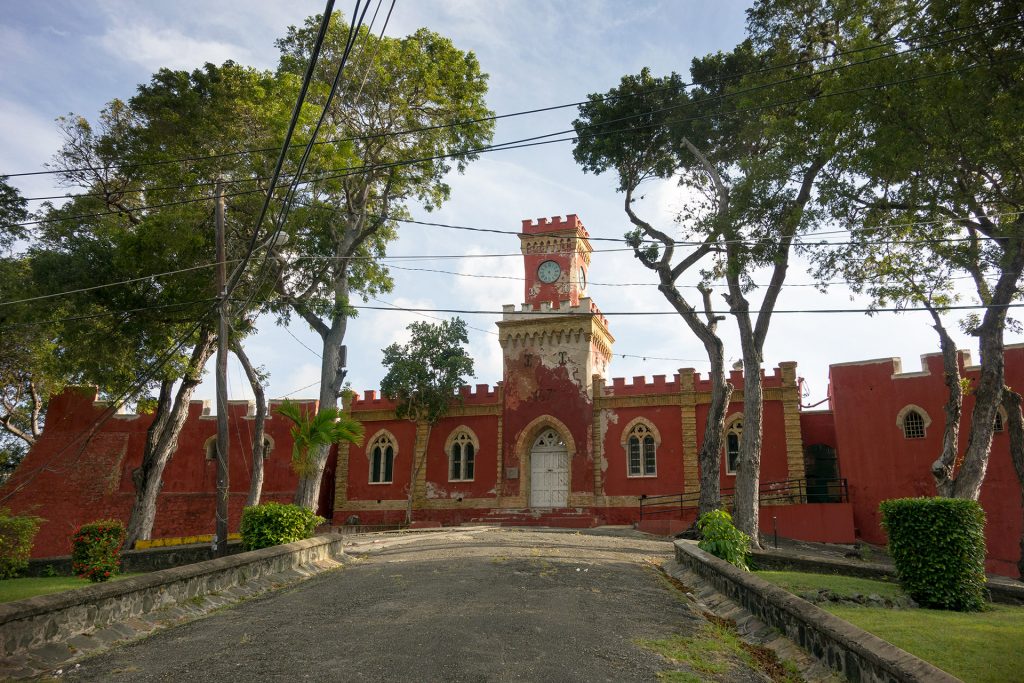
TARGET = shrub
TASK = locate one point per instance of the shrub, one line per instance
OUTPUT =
(276, 523)
(16, 536)
(95, 550)
(938, 545)
(720, 538)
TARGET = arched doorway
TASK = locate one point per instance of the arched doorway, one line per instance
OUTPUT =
(549, 471)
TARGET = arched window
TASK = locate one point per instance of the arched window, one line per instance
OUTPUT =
(642, 450)
(210, 447)
(462, 447)
(382, 451)
(1000, 422)
(913, 425)
(733, 431)
(914, 421)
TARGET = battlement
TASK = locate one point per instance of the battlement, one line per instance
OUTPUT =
(526, 311)
(554, 224)
(481, 393)
(659, 384)
(688, 379)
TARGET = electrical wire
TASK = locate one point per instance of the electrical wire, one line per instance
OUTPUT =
(538, 110)
(547, 139)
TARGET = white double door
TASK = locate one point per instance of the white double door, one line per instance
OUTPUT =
(549, 471)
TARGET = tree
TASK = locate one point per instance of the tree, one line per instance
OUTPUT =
(406, 113)
(749, 142)
(938, 167)
(650, 151)
(423, 379)
(316, 430)
(27, 373)
(144, 212)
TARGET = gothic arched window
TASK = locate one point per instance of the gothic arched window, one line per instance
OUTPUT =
(382, 452)
(462, 447)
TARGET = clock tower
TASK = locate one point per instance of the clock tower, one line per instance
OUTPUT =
(554, 345)
(556, 255)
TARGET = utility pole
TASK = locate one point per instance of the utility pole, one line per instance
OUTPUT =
(220, 538)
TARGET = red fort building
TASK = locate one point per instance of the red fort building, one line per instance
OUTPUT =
(556, 442)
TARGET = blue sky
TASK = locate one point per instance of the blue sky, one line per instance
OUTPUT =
(62, 57)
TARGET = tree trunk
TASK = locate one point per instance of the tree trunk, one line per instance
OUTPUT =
(746, 501)
(332, 376)
(1015, 427)
(162, 441)
(419, 458)
(711, 449)
(942, 468)
(259, 425)
(987, 397)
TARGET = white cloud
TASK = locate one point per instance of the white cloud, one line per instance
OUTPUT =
(154, 48)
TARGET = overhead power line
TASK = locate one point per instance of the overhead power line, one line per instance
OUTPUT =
(544, 139)
(985, 26)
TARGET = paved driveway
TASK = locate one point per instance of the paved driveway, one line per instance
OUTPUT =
(475, 605)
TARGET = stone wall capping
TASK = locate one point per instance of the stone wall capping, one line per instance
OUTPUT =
(843, 647)
(33, 622)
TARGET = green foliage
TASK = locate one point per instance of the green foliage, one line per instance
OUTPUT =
(95, 549)
(424, 376)
(938, 545)
(723, 540)
(17, 532)
(271, 524)
(317, 429)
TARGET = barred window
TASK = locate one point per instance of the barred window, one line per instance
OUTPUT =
(913, 425)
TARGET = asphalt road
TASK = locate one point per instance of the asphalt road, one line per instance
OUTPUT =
(493, 605)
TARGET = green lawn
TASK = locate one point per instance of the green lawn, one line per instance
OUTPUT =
(19, 589)
(977, 647)
(802, 582)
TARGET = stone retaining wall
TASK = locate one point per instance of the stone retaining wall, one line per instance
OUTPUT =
(31, 623)
(1001, 589)
(855, 653)
(134, 561)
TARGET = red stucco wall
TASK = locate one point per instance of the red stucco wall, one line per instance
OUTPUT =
(69, 481)
(881, 464)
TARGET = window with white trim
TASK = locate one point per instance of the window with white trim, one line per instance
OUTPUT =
(461, 457)
(732, 446)
(642, 451)
(211, 449)
(913, 425)
(382, 459)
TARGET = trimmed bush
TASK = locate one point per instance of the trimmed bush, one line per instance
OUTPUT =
(276, 523)
(723, 540)
(96, 548)
(938, 545)
(16, 536)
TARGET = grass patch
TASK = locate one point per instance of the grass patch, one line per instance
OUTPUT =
(977, 647)
(715, 651)
(29, 587)
(805, 582)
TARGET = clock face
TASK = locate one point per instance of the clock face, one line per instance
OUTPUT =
(583, 278)
(549, 271)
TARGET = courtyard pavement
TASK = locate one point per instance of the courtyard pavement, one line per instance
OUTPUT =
(462, 605)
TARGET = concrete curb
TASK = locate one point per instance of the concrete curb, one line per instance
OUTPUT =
(36, 623)
(855, 653)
